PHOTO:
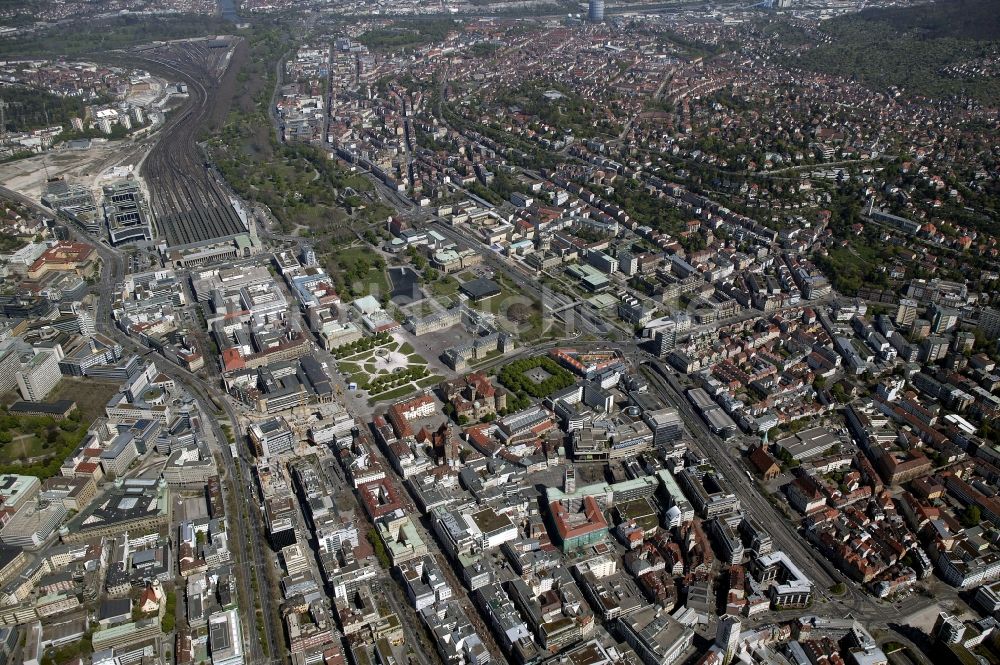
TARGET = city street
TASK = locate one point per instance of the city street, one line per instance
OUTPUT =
(248, 521)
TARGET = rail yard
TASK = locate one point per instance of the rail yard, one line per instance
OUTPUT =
(189, 205)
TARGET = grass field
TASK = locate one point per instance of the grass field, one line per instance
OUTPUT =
(90, 396)
(361, 369)
(359, 269)
(429, 381)
(37, 445)
(396, 393)
(24, 446)
(353, 372)
(446, 286)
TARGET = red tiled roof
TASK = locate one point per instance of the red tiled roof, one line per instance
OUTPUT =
(232, 360)
(594, 519)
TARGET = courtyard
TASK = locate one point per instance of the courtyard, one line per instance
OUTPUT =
(389, 370)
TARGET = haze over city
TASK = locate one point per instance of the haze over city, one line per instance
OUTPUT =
(470, 332)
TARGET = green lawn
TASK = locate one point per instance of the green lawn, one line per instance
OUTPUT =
(37, 445)
(359, 269)
(429, 381)
(24, 446)
(353, 372)
(396, 393)
(498, 303)
(446, 286)
(90, 396)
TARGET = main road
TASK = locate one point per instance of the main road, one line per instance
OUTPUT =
(725, 458)
(855, 603)
(248, 522)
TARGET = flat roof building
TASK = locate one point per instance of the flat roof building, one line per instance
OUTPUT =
(789, 587)
(17, 490)
(401, 538)
(225, 638)
(58, 409)
(657, 637)
(665, 423)
(39, 375)
(75, 493)
(135, 505)
(33, 525)
(125, 213)
(808, 443)
(271, 437)
(480, 289)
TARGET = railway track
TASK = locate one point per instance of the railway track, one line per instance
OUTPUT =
(188, 205)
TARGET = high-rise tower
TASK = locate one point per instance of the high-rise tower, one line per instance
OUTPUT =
(727, 636)
(569, 479)
(596, 12)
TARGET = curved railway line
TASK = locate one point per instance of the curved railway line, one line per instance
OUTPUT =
(188, 205)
